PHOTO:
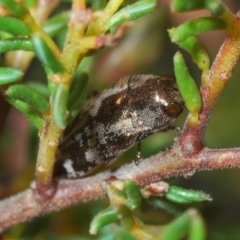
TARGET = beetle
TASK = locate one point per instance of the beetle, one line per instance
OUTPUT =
(133, 108)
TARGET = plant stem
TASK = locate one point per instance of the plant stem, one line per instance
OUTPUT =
(191, 139)
(73, 52)
(48, 142)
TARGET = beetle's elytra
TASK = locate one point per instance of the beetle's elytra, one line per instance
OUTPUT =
(113, 121)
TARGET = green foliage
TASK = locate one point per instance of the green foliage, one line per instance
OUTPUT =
(55, 24)
(15, 44)
(17, 9)
(197, 227)
(105, 217)
(28, 95)
(167, 206)
(14, 26)
(189, 223)
(133, 195)
(187, 87)
(131, 12)
(215, 6)
(195, 27)
(65, 106)
(182, 6)
(197, 51)
(185, 36)
(126, 197)
(76, 99)
(180, 195)
(46, 55)
(61, 99)
(39, 87)
(43, 48)
(9, 75)
(60, 104)
(29, 112)
(29, 101)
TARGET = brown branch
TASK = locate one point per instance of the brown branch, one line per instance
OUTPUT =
(27, 205)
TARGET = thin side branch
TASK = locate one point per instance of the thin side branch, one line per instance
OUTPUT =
(28, 204)
(212, 85)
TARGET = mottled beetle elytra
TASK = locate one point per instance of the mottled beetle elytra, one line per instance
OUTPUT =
(113, 121)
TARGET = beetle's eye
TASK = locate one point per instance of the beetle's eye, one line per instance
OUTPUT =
(173, 109)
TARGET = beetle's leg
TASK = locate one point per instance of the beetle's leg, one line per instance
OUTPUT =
(138, 159)
(129, 82)
(176, 129)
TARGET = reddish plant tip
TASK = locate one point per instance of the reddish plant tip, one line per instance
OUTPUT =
(47, 191)
(111, 179)
(191, 141)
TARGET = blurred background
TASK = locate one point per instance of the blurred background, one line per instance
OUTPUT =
(145, 48)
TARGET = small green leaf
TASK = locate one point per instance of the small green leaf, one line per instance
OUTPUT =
(60, 98)
(83, 66)
(196, 26)
(15, 44)
(169, 207)
(29, 96)
(77, 96)
(78, 87)
(130, 12)
(50, 84)
(182, 195)
(197, 227)
(198, 52)
(5, 35)
(106, 216)
(9, 75)
(215, 6)
(45, 54)
(126, 218)
(29, 112)
(186, 5)
(14, 26)
(133, 195)
(77, 107)
(177, 229)
(56, 24)
(177, 199)
(39, 87)
(188, 88)
(17, 9)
